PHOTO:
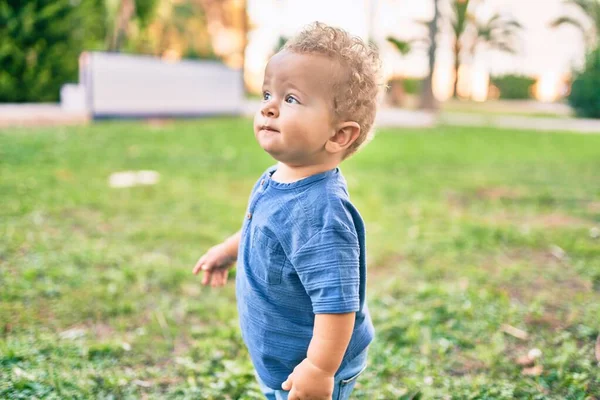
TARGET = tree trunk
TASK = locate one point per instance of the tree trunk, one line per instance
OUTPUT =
(456, 67)
(244, 43)
(125, 13)
(428, 101)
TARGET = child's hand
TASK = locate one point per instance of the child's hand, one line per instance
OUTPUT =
(308, 381)
(215, 264)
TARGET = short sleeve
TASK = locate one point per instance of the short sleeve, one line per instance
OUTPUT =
(328, 267)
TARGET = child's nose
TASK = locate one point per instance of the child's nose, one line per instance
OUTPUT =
(269, 109)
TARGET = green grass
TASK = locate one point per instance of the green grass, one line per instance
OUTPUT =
(469, 230)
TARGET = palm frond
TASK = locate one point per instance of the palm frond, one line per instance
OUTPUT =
(586, 6)
(403, 46)
(590, 8)
(504, 46)
(515, 24)
(499, 33)
(567, 21)
(423, 23)
(460, 17)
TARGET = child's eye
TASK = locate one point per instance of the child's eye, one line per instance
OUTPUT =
(291, 100)
(266, 96)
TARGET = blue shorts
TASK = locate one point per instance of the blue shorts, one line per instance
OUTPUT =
(343, 385)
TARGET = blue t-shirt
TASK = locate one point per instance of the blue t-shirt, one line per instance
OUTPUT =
(302, 252)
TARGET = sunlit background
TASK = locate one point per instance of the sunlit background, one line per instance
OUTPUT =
(547, 55)
(543, 43)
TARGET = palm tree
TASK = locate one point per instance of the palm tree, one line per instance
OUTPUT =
(591, 8)
(496, 33)
(427, 99)
(469, 33)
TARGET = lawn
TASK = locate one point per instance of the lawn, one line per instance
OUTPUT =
(483, 245)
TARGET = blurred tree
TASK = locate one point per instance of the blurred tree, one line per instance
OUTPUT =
(428, 101)
(120, 15)
(41, 43)
(227, 23)
(591, 9)
(178, 28)
(194, 29)
(585, 91)
(469, 33)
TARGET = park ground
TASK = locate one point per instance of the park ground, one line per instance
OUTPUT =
(483, 248)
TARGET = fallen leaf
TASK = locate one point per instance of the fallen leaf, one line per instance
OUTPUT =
(73, 333)
(516, 332)
(126, 179)
(147, 177)
(122, 179)
(22, 373)
(533, 371)
(524, 361)
(534, 354)
(557, 252)
(141, 383)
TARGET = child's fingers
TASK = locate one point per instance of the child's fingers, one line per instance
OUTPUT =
(213, 276)
(206, 277)
(225, 275)
(222, 277)
(199, 264)
(217, 278)
(287, 385)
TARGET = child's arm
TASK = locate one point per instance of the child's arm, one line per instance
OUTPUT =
(217, 260)
(313, 377)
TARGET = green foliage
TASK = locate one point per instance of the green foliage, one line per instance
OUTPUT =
(585, 90)
(469, 229)
(459, 17)
(144, 10)
(281, 41)
(412, 85)
(513, 86)
(40, 45)
(403, 46)
(183, 27)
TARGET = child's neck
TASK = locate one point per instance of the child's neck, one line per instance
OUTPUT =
(287, 173)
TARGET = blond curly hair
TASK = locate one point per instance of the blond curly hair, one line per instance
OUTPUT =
(355, 94)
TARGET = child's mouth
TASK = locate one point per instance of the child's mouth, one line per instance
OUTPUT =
(268, 129)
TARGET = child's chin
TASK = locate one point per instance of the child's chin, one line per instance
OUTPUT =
(273, 153)
(267, 144)
(272, 150)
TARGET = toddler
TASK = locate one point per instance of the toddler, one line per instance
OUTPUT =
(301, 276)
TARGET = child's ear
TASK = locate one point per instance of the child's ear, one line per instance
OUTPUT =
(346, 133)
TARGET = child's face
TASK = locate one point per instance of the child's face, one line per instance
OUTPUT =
(296, 118)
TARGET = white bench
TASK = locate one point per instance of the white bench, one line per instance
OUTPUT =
(136, 86)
